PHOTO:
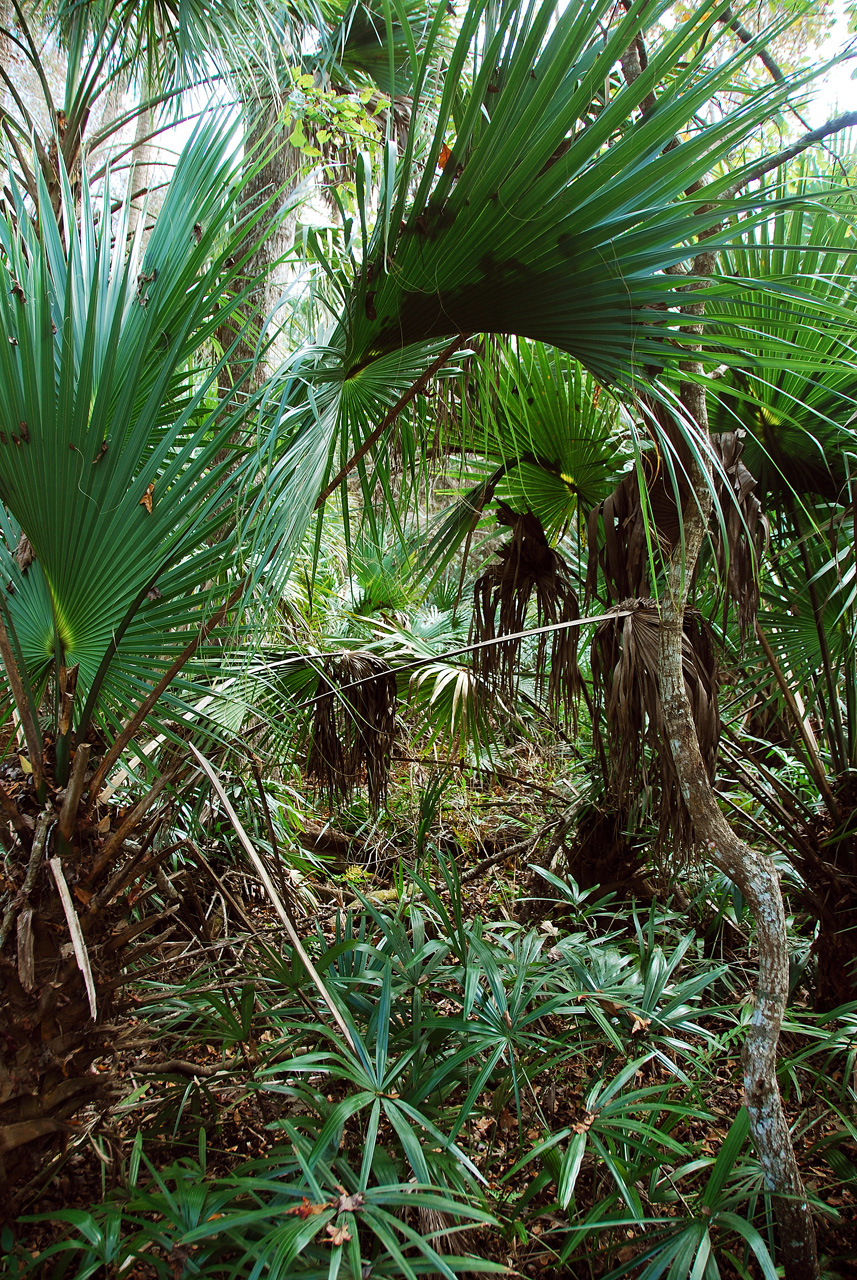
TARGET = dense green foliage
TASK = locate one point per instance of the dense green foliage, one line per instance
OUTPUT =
(389, 553)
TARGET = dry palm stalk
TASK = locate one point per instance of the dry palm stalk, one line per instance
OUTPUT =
(625, 654)
(354, 726)
(740, 541)
(632, 529)
(527, 570)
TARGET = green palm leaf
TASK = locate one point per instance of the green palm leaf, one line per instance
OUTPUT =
(535, 225)
(120, 460)
(796, 390)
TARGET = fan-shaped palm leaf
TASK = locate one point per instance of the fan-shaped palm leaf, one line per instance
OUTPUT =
(119, 463)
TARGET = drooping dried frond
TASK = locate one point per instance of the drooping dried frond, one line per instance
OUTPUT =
(623, 556)
(640, 774)
(638, 529)
(527, 569)
(354, 724)
(633, 530)
(746, 530)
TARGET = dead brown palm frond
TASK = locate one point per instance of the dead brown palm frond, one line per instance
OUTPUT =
(633, 530)
(623, 555)
(640, 773)
(354, 725)
(740, 540)
(527, 569)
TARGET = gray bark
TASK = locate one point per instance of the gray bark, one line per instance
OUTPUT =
(140, 173)
(275, 179)
(756, 877)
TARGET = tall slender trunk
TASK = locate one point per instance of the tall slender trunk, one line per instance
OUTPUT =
(755, 876)
(275, 179)
(140, 173)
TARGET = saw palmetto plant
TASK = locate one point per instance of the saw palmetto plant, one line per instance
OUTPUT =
(526, 570)
(353, 726)
(121, 560)
(549, 186)
(798, 425)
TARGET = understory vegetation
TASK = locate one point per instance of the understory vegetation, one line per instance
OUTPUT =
(428, 696)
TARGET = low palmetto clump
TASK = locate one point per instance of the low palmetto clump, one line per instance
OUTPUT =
(354, 726)
(122, 477)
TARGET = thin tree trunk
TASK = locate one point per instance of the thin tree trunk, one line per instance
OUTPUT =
(274, 179)
(755, 876)
(140, 173)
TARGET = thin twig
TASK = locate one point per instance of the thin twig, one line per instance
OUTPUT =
(272, 839)
(125, 828)
(242, 914)
(511, 851)
(746, 37)
(811, 749)
(473, 648)
(273, 895)
(510, 778)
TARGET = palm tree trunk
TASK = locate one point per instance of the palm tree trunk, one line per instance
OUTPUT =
(140, 172)
(755, 876)
(275, 179)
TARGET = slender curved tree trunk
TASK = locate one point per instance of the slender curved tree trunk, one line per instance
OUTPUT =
(756, 877)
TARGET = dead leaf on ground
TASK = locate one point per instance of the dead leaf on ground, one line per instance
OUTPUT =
(306, 1208)
(350, 1204)
(586, 1123)
(338, 1235)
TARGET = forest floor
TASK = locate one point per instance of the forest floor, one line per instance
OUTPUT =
(168, 1081)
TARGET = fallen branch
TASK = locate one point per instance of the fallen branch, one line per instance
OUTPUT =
(511, 851)
(265, 877)
(180, 1067)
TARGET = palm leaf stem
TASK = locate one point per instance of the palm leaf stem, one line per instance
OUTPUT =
(120, 835)
(389, 418)
(815, 765)
(477, 645)
(135, 722)
(274, 896)
(736, 753)
(73, 792)
(24, 702)
(31, 53)
(838, 740)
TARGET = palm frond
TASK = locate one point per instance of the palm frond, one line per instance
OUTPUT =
(124, 465)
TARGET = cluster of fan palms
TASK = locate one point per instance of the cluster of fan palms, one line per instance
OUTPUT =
(155, 490)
